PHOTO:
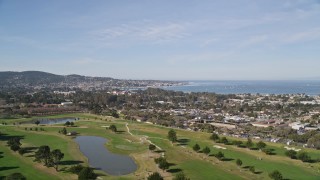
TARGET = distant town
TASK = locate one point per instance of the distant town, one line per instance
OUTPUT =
(288, 118)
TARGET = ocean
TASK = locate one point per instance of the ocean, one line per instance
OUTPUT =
(253, 87)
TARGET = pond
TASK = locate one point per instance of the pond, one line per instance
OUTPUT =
(52, 121)
(99, 157)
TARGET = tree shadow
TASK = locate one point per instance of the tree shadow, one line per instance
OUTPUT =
(171, 164)
(270, 151)
(8, 168)
(258, 172)
(1, 155)
(6, 137)
(175, 170)
(246, 167)
(227, 159)
(241, 146)
(100, 174)
(183, 141)
(120, 132)
(70, 162)
(30, 149)
(160, 151)
(313, 161)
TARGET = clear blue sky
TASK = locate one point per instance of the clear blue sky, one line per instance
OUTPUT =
(163, 39)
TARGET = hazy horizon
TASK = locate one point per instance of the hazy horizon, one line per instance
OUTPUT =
(190, 80)
(163, 40)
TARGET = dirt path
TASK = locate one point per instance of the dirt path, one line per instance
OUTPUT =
(145, 138)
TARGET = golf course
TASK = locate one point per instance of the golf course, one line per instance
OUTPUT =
(132, 139)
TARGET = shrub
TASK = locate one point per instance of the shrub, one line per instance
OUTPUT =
(276, 175)
(155, 176)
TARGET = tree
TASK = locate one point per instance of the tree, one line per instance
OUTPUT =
(64, 131)
(252, 169)
(113, 128)
(180, 176)
(261, 145)
(276, 175)
(219, 155)
(76, 169)
(37, 122)
(15, 147)
(152, 147)
(249, 143)
(268, 151)
(56, 156)
(237, 143)
(238, 162)
(196, 147)
(304, 157)
(206, 150)
(158, 160)
(214, 137)
(291, 153)
(15, 176)
(67, 123)
(43, 154)
(314, 141)
(155, 176)
(14, 143)
(164, 165)
(172, 135)
(21, 151)
(86, 173)
(224, 140)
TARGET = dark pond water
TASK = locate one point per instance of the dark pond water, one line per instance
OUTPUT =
(94, 149)
(52, 121)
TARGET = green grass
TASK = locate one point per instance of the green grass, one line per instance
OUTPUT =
(11, 163)
(194, 165)
(196, 169)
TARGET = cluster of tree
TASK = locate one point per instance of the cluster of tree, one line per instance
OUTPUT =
(303, 138)
(157, 176)
(84, 173)
(276, 175)
(35, 129)
(63, 131)
(248, 144)
(14, 143)
(111, 112)
(162, 163)
(113, 128)
(49, 158)
(206, 150)
(303, 156)
(69, 123)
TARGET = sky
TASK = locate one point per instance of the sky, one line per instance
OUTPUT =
(163, 39)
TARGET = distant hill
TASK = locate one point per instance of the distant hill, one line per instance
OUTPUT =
(40, 80)
(29, 77)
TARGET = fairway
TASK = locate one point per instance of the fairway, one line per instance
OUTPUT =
(135, 144)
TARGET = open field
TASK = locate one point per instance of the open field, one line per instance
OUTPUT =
(180, 155)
